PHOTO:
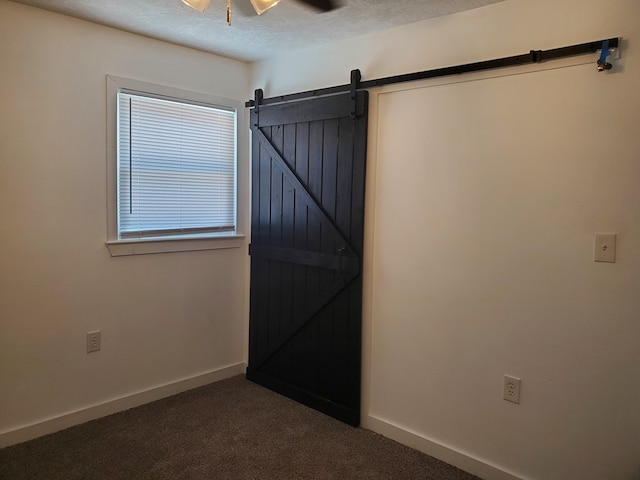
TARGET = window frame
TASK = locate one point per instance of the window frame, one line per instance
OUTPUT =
(136, 246)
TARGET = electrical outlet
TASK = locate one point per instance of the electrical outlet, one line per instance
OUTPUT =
(93, 341)
(511, 389)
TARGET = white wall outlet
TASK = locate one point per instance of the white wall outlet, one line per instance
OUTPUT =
(93, 341)
(511, 389)
(605, 249)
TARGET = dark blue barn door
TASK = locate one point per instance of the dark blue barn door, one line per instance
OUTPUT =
(308, 176)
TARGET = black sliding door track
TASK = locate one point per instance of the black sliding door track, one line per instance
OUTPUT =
(534, 56)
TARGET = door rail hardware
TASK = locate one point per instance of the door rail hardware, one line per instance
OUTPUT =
(533, 56)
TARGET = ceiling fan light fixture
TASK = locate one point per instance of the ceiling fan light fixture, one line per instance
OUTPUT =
(199, 5)
(261, 6)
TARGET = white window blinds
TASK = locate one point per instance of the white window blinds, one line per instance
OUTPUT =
(176, 167)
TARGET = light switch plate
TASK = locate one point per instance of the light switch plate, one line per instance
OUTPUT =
(605, 248)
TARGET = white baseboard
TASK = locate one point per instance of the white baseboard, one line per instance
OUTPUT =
(453, 457)
(54, 424)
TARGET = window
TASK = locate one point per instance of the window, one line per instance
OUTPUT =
(175, 169)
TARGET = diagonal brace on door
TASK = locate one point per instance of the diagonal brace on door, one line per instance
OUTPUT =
(312, 310)
(298, 184)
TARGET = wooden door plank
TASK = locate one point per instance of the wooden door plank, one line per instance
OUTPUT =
(329, 315)
(288, 196)
(275, 239)
(254, 304)
(301, 160)
(320, 109)
(354, 353)
(316, 132)
(264, 209)
(341, 345)
(262, 282)
(263, 234)
(329, 166)
(287, 359)
(359, 156)
(255, 182)
(344, 175)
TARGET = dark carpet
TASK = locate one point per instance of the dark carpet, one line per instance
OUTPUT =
(231, 429)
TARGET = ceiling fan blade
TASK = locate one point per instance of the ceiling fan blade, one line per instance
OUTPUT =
(261, 6)
(199, 5)
(324, 5)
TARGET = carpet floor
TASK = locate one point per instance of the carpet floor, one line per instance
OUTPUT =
(233, 429)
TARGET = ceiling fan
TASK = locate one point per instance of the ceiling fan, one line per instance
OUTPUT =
(261, 6)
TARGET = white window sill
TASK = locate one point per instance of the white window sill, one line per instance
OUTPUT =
(119, 248)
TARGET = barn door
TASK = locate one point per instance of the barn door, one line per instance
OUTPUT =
(308, 171)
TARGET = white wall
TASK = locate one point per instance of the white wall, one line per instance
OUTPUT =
(483, 199)
(445, 317)
(164, 318)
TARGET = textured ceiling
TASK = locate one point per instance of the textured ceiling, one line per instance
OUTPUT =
(288, 25)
